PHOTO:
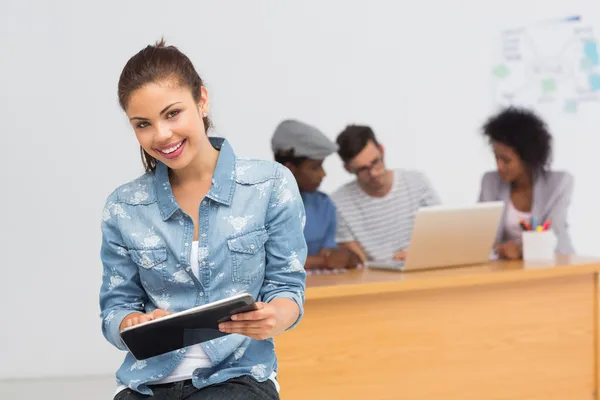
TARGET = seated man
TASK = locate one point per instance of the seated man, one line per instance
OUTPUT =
(302, 148)
(376, 211)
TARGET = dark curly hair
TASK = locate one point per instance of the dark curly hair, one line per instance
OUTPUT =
(525, 132)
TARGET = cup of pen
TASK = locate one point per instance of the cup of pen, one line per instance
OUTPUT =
(538, 241)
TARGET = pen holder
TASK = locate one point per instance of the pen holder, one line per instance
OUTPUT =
(538, 246)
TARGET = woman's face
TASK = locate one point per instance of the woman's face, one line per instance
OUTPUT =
(168, 122)
(509, 164)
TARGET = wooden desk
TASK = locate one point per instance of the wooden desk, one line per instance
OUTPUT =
(504, 330)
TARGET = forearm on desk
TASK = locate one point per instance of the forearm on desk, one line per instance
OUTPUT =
(355, 248)
(313, 262)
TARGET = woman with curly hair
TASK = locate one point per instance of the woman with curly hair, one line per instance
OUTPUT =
(522, 146)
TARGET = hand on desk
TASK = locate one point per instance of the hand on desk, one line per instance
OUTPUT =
(400, 256)
(341, 258)
(509, 250)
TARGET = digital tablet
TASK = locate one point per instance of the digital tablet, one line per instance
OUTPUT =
(185, 328)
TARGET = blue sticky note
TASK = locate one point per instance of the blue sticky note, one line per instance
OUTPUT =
(590, 49)
(594, 80)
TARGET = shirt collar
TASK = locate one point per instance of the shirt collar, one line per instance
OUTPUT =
(223, 181)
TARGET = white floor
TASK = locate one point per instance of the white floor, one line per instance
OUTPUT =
(88, 388)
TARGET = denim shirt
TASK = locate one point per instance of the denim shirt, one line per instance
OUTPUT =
(250, 240)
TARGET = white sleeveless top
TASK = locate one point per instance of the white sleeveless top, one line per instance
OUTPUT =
(512, 227)
(195, 356)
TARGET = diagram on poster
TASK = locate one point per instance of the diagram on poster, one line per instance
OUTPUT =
(552, 65)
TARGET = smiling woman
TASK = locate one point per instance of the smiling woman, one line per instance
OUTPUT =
(173, 239)
(148, 77)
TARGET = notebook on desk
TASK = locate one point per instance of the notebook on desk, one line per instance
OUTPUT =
(445, 236)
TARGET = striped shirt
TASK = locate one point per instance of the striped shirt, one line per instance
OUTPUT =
(382, 225)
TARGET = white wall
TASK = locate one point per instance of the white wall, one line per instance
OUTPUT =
(418, 72)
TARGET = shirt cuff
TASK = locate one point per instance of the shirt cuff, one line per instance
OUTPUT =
(292, 296)
(113, 325)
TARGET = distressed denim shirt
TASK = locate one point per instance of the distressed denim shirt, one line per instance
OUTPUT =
(250, 240)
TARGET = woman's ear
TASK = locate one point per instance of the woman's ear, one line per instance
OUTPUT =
(203, 106)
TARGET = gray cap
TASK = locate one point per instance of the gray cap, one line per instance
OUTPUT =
(305, 140)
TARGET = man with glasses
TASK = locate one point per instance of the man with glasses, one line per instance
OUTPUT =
(375, 212)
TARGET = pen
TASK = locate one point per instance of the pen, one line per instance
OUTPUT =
(546, 225)
(523, 227)
(533, 223)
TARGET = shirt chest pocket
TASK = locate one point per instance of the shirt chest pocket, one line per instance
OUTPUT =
(152, 268)
(248, 256)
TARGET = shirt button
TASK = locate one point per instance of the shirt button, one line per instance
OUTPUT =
(201, 294)
(203, 263)
(186, 245)
(204, 202)
(252, 246)
(204, 235)
(145, 262)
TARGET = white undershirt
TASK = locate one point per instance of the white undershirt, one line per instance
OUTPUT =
(512, 227)
(195, 356)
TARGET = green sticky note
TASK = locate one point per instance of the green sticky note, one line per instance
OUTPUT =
(570, 106)
(548, 85)
(585, 64)
(501, 71)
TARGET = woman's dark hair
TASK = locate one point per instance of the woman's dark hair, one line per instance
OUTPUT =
(352, 140)
(158, 63)
(525, 132)
(284, 157)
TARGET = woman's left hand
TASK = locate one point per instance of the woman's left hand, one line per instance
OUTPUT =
(400, 256)
(260, 324)
(509, 250)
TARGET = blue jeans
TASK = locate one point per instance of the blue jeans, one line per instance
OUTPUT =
(241, 388)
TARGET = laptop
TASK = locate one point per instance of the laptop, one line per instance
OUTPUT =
(449, 236)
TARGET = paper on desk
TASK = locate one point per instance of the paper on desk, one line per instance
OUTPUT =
(325, 271)
(385, 263)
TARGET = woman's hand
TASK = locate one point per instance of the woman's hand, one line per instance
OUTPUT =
(400, 256)
(139, 318)
(509, 250)
(271, 319)
(340, 258)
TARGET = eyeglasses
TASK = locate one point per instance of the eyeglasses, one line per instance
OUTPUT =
(366, 170)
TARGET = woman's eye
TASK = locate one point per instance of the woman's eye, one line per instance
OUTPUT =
(172, 113)
(142, 124)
